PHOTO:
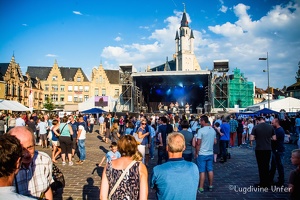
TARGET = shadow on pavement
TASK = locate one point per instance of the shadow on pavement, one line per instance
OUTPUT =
(90, 191)
(98, 169)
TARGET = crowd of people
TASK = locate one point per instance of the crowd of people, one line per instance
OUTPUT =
(187, 147)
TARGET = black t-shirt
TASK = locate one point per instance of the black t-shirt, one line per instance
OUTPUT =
(263, 133)
(295, 180)
(107, 122)
(163, 130)
(278, 144)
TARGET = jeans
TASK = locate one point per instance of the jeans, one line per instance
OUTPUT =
(152, 146)
(223, 149)
(162, 153)
(81, 148)
(277, 163)
(91, 128)
(263, 158)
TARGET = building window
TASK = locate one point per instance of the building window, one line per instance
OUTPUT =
(80, 88)
(76, 88)
(80, 98)
(70, 88)
(86, 88)
(70, 98)
(78, 78)
(96, 92)
(100, 79)
(46, 97)
(54, 97)
(54, 87)
(62, 88)
(62, 98)
(46, 87)
(103, 92)
(75, 98)
(35, 95)
(54, 78)
(86, 97)
(117, 92)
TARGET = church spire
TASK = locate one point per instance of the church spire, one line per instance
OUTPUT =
(192, 34)
(176, 37)
(184, 21)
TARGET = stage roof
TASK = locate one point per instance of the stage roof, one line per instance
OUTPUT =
(168, 73)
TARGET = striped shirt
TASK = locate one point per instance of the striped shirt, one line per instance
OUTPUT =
(37, 178)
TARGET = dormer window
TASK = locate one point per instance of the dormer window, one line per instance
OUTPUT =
(78, 78)
(54, 78)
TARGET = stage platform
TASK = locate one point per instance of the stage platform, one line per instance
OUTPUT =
(173, 86)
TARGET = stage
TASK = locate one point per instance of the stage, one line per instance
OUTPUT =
(173, 86)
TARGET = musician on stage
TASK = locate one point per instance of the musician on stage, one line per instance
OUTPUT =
(176, 105)
(187, 108)
(160, 106)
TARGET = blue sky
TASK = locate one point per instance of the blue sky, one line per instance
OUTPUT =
(86, 33)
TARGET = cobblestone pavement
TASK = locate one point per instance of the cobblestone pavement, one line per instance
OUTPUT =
(232, 180)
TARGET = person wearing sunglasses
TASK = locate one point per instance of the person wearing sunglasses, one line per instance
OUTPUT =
(143, 134)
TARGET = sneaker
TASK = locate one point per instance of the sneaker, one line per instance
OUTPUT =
(200, 190)
(70, 163)
(63, 163)
(210, 188)
(79, 162)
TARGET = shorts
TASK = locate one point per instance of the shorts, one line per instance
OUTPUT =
(55, 143)
(43, 136)
(107, 133)
(74, 144)
(205, 163)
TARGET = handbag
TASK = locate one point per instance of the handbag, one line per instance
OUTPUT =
(121, 178)
(58, 177)
(136, 137)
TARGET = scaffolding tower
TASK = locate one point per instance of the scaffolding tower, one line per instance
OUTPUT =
(241, 91)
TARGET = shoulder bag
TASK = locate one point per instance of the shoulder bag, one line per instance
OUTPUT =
(121, 178)
(136, 137)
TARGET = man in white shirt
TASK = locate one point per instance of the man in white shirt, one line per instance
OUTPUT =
(81, 135)
(20, 121)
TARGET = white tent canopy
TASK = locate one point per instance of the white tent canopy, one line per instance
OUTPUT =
(289, 104)
(12, 105)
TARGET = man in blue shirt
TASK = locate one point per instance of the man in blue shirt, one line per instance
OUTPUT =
(224, 140)
(177, 178)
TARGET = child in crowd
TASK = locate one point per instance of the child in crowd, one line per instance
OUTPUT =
(294, 180)
(113, 154)
(129, 128)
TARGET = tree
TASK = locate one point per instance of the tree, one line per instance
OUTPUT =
(49, 105)
(298, 73)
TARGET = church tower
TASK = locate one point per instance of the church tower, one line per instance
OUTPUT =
(185, 57)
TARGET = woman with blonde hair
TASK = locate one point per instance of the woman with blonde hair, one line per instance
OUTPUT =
(125, 177)
(115, 135)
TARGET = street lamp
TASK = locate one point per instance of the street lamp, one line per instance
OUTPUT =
(268, 71)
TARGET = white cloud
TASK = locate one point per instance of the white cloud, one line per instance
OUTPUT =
(118, 39)
(223, 9)
(24, 25)
(144, 27)
(77, 13)
(241, 41)
(51, 55)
